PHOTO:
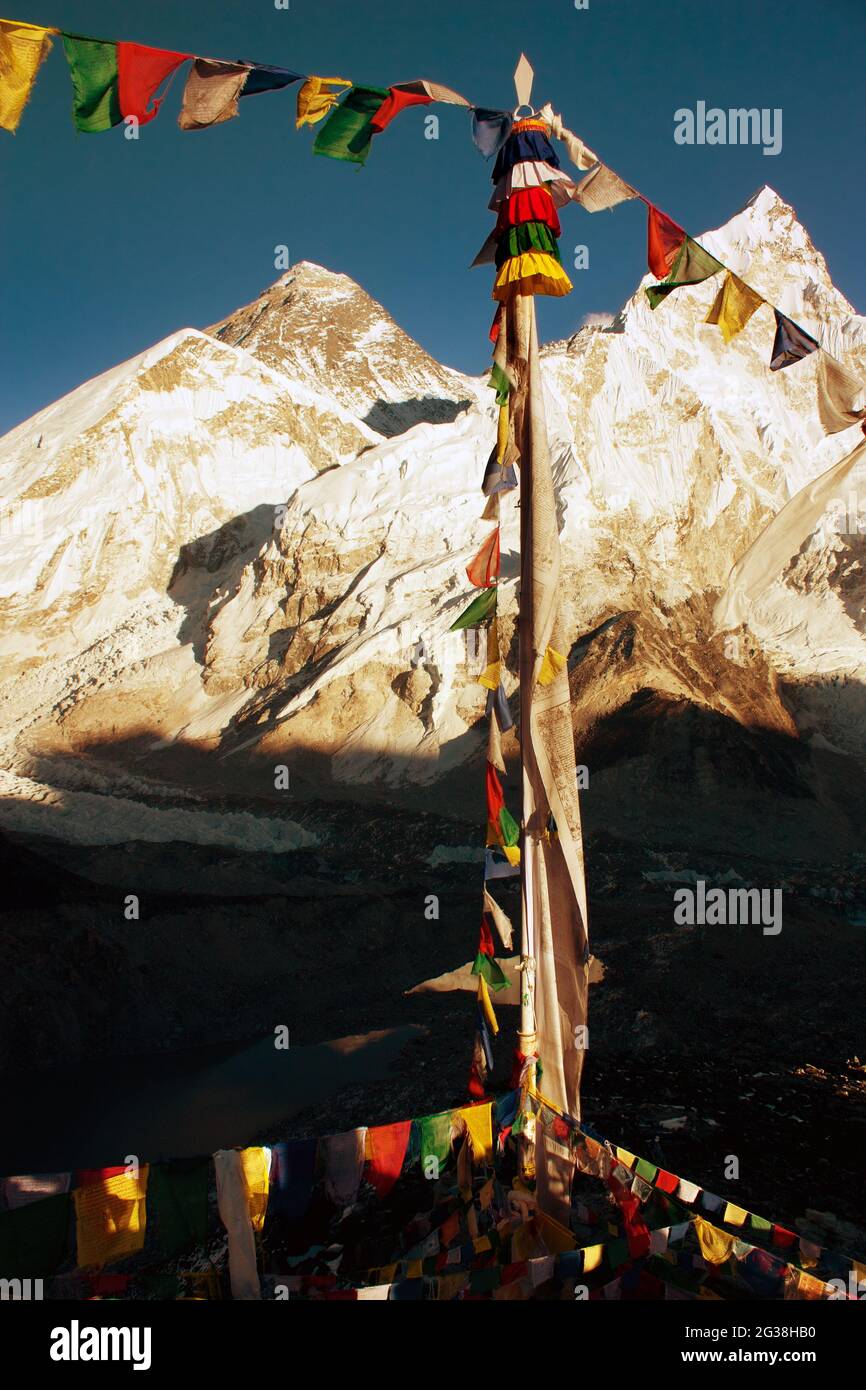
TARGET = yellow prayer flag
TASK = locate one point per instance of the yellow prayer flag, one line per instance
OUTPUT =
(555, 1236)
(255, 1164)
(110, 1219)
(22, 50)
(479, 1126)
(502, 433)
(592, 1257)
(491, 676)
(415, 1269)
(625, 1157)
(550, 667)
(734, 1216)
(512, 854)
(715, 1245)
(733, 306)
(314, 99)
(481, 1244)
(487, 1005)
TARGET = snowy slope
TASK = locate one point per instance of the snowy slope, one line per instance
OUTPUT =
(293, 637)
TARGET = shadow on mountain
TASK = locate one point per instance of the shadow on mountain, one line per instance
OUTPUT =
(215, 562)
(392, 418)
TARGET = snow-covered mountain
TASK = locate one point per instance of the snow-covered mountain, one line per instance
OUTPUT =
(245, 547)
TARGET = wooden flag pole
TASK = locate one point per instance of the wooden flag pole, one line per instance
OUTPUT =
(526, 1039)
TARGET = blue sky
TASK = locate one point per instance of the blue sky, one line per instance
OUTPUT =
(109, 245)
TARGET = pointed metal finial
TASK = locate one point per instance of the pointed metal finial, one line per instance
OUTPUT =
(523, 76)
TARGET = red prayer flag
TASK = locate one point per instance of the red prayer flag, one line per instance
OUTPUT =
(664, 239)
(529, 205)
(139, 72)
(497, 324)
(485, 940)
(483, 570)
(395, 102)
(667, 1182)
(495, 797)
(782, 1237)
(388, 1145)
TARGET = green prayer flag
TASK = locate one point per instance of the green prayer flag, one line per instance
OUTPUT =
(759, 1223)
(509, 827)
(436, 1138)
(500, 382)
(93, 68)
(527, 236)
(617, 1253)
(646, 1170)
(491, 970)
(346, 133)
(485, 1280)
(483, 604)
(34, 1239)
(177, 1203)
(692, 265)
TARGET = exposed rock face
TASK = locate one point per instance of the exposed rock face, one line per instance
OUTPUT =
(253, 543)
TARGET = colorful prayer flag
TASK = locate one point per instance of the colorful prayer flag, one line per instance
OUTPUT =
(395, 102)
(602, 189)
(480, 608)
(386, 1151)
(692, 266)
(211, 94)
(483, 569)
(733, 306)
(110, 1218)
(23, 49)
(347, 133)
(791, 344)
(664, 241)
(838, 395)
(490, 130)
(315, 101)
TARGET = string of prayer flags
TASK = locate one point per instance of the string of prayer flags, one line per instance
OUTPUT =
(791, 344)
(733, 306)
(490, 130)
(293, 1170)
(343, 1160)
(348, 132)
(502, 828)
(602, 189)
(483, 569)
(110, 1217)
(386, 1152)
(664, 241)
(211, 93)
(113, 81)
(527, 254)
(692, 266)
(23, 49)
(315, 99)
(838, 395)
(479, 609)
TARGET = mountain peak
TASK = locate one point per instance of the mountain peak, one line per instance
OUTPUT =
(314, 324)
